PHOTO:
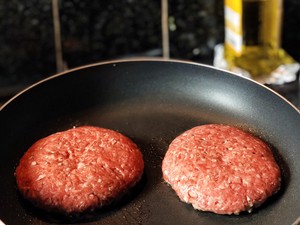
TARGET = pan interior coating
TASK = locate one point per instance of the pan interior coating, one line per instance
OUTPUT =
(151, 102)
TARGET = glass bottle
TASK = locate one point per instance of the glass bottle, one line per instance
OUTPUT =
(253, 40)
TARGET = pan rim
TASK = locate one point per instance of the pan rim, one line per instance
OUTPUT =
(119, 69)
(144, 59)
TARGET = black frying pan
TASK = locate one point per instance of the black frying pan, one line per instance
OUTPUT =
(151, 101)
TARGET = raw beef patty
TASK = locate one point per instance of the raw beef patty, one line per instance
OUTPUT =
(221, 169)
(79, 169)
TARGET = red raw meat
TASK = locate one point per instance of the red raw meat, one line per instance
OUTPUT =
(221, 169)
(79, 169)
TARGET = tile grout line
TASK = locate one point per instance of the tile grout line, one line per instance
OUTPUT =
(165, 29)
(57, 37)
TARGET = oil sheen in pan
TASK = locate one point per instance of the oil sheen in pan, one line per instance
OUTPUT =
(132, 206)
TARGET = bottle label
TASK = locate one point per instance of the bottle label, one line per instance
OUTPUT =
(233, 25)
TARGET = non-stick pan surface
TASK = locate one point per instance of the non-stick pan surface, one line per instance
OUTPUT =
(150, 101)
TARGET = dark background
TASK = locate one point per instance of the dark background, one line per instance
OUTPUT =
(93, 31)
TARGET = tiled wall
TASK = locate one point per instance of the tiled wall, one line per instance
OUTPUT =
(92, 31)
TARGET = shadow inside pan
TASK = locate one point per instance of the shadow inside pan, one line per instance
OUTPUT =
(88, 216)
